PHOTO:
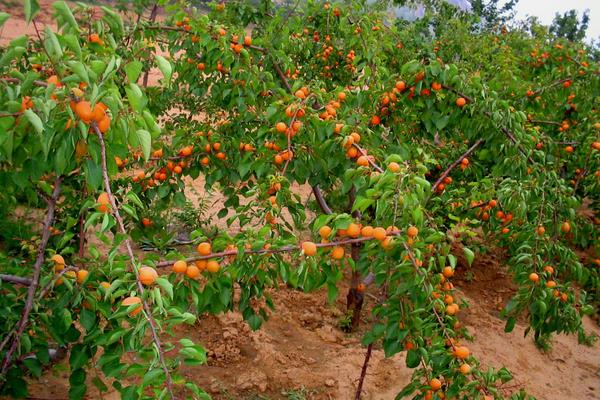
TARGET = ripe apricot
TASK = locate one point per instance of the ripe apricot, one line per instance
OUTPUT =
(448, 272)
(192, 272)
(324, 231)
(54, 80)
(361, 287)
(412, 231)
(465, 369)
(204, 248)
(533, 277)
(452, 309)
(58, 259)
(337, 253)
(103, 203)
(180, 266)
(84, 111)
(379, 233)
(201, 264)
(281, 127)
(435, 384)
(461, 101)
(213, 266)
(353, 230)
(130, 301)
(565, 227)
(309, 248)
(367, 231)
(99, 111)
(393, 167)
(82, 275)
(363, 161)
(147, 275)
(461, 352)
(104, 124)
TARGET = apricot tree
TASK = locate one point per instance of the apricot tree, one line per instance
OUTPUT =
(418, 151)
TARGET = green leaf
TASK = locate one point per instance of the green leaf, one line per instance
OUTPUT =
(87, 319)
(165, 67)
(80, 70)
(34, 120)
(65, 12)
(441, 122)
(145, 141)
(73, 43)
(79, 356)
(52, 44)
(136, 97)
(133, 70)
(152, 375)
(413, 358)
(34, 366)
(166, 286)
(113, 20)
(469, 255)
(3, 18)
(510, 324)
(32, 7)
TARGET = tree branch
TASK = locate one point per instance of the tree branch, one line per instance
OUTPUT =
(488, 114)
(363, 372)
(24, 321)
(321, 200)
(471, 149)
(18, 280)
(283, 249)
(140, 287)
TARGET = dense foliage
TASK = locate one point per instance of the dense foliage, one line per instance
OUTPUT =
(423, 143)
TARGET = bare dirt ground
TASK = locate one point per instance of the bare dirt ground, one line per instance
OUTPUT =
(300, 351)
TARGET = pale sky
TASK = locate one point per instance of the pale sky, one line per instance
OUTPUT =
(546, 9)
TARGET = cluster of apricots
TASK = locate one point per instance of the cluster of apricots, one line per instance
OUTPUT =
(237, 47)
(96, 114)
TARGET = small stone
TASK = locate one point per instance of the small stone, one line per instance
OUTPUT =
(330, 383)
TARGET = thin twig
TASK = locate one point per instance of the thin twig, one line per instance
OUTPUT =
(364, 153)
(15, 80)
(140, 287)
(539, 122)
(467, 153)
(19, 280)
(35, 279)
(37, 32)
(363, 372)
(153, 15)
(321, 200)
(56, 277)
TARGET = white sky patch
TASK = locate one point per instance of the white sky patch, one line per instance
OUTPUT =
(546, 9)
